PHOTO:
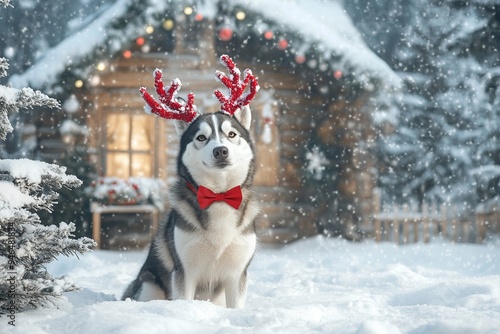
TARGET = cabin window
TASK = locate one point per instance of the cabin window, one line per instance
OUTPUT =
(129, 147)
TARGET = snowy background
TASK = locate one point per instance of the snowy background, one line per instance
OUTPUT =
(317, 285)
(445, 149)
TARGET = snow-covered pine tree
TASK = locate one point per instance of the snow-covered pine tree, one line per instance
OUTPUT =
(483, 43)
(26, 245)
(447, 106)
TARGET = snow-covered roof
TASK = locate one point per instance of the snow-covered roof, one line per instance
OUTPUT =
(78, 46)
(324, 23)
(327, 23)
(69, 50)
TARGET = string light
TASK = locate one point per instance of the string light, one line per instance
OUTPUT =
(282, 44)
(79, 83)
(101, 66)
(300, 59)
(312, 63)
(149, 29)
(168, 24)
(94, 80)
(145, 48)
(268, 35)
(225, 34)
(127, 54)
(188, 11)
(241, 15)
(140, 41)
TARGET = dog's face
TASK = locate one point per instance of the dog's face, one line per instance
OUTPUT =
(216, 149)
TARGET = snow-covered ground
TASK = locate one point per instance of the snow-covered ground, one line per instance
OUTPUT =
(315, 285)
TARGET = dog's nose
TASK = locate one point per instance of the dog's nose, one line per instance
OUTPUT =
(221, 152)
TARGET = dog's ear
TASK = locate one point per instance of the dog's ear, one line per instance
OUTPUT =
(244, 116)
(180, 126)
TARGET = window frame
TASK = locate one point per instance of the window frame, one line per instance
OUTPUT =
(106, 151)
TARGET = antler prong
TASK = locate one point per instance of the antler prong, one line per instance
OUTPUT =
(236, 86)
(169, 107)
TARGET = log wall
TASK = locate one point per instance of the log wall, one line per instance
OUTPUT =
(287, 213)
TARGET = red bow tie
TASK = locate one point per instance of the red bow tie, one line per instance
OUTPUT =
(206, 197)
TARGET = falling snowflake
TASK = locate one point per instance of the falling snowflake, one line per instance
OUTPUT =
(316, 163)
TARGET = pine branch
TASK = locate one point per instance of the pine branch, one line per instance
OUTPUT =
(11, 100)
(5, 126)
(4, 66)
(29, 98)
(33, 290)
(35, 245)
(43, 189)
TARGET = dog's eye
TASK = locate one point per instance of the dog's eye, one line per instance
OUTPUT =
(201, 138)
(231, 134)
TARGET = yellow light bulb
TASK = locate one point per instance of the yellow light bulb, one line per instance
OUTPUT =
(168, 24)
(150, 29)
(188, 10)
(78, 83)
(241, 15)
(101, 66)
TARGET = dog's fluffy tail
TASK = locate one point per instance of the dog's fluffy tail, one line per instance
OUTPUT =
(133, 291)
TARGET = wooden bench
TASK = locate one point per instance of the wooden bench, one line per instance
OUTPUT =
(98, 209)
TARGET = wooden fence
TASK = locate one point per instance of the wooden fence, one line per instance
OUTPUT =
(411, 223)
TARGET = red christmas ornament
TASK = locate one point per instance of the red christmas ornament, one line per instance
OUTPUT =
(268, 35)
(127, 54)
(337, 74)
(140, 41)
(300, 59)
(198, 17)
(282, 44)
(225, 34)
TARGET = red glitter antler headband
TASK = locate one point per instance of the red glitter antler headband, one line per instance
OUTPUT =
(170, 107)
(236, 86)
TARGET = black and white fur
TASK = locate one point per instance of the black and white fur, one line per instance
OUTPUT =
(204, 254)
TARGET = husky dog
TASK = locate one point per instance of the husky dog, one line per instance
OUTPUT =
(204, 247)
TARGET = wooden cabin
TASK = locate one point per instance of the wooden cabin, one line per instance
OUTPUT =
(301, 99)
(130, 143)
